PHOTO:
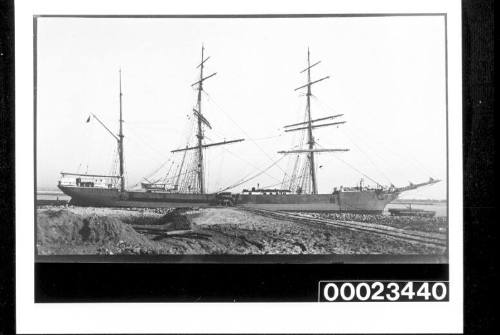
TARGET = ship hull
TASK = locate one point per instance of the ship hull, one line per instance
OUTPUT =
(369, 202)
(87, 196)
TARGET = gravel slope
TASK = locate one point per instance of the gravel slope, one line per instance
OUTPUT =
(77, 230)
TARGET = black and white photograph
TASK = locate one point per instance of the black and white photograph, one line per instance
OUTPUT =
(208, 136)
(285, 168)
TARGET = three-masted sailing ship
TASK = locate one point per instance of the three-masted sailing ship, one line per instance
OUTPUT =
(299, 192)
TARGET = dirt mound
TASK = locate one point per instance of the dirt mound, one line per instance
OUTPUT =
(172, 220)
(62, 226)
(176, 220)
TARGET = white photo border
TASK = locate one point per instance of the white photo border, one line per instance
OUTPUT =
(443, 317)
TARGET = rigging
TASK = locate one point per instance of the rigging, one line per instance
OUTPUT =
(310, 151)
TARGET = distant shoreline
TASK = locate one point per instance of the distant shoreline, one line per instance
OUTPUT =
(419, 201)
(56, 192)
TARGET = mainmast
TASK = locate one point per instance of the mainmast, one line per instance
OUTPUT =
(202, 122)
(308, 125)
(120, 140)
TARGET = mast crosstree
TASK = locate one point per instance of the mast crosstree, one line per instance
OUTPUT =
(308, 126)
(201, 123)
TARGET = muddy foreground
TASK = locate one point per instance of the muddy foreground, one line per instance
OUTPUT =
(104, 231)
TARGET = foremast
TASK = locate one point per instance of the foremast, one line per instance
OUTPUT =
(309, 126)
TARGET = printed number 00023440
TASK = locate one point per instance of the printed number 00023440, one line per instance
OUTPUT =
(382, 291)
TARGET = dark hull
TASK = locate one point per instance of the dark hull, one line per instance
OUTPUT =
(87, 196)
(354, 202)
(357, 201)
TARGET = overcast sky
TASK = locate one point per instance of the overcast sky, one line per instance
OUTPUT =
(387, 76)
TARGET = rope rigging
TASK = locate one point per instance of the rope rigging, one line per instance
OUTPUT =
(247, 162)
(297, 179)
(369, 159)
(242, 130)
(419, 167)
(252, 177)
(357, 170)
(188, 175)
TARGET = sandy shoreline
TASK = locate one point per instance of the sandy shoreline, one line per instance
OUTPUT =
(72, 230)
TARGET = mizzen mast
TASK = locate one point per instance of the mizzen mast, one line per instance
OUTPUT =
(118, 138)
